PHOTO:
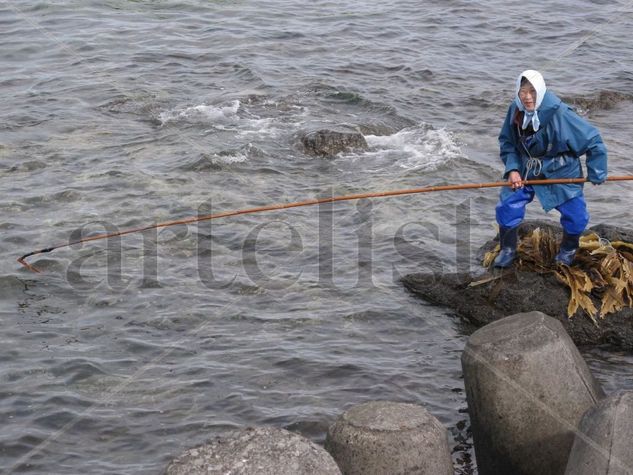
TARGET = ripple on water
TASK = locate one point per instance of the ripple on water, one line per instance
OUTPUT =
(11, 287)
(156, 107)
(77, 369)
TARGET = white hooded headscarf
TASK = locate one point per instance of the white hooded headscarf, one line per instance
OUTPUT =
(536, 79)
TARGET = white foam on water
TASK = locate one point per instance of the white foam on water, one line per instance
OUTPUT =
(228, 158)
(291, 117)
(415, 148)
(225, 118)
(243, 154)
(201, 113)
(259, 126)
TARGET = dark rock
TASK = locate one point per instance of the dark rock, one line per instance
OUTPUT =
(376, 129)
(326, 142)
(612, 233)
(603, 100)
(522, 291)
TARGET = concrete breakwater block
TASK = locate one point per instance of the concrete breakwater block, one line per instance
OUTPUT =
(604, 444)
(527, 388)
(256, 451)
(388, 438)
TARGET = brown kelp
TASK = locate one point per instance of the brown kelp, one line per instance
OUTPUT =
(600, 280)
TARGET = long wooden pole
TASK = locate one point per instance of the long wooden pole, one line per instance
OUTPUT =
(310, 202)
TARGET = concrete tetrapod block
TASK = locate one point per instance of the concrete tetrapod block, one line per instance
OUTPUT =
(388, 438)
(605, 442)
(527, 388)
(256, 451)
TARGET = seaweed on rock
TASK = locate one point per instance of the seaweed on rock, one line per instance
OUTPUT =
(601, 280)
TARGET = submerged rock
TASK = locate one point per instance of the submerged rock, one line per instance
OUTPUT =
(378, 129)
(486, 298)
(603, 100)
(327, 142)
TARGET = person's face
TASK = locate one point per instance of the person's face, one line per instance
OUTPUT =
(527, 95)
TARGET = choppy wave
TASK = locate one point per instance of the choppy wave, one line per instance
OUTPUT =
(416, 148)
(228, 157)
(202, 113)
(148, 109)
(214, 161)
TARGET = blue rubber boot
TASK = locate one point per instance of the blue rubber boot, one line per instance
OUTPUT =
(508, 238)
(568, 247)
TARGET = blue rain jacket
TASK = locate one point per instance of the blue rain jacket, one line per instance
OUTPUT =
(563, 137)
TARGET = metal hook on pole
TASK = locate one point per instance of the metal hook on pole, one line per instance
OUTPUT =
(310, 202)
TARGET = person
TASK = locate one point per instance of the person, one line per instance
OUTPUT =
(541, 138)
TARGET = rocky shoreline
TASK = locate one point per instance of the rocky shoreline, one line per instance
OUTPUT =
(490, 296)
(534, 408)
(533, 403)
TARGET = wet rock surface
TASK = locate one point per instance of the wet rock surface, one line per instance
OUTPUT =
(329, 142)
(523, 291)
(602, 100)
